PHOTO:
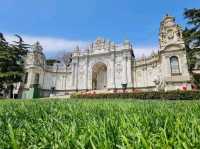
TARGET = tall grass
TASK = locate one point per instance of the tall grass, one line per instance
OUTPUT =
(99, 124)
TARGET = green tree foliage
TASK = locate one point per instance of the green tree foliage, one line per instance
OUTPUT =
(11, 61)
(50, 62)
(191, 36)
(3, 57)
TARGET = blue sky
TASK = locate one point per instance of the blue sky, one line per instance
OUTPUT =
(61, 24)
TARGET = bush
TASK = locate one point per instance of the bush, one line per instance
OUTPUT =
(171, 95)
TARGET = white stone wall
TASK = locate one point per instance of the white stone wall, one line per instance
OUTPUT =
(119, 69)
(56, 80)
(86, 76)
(117, 58)
(144, 74)
(165, 62)
(121, 65)
(146, 70)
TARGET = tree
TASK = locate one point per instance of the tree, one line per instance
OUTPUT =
(51, 62)
(191, 36)
(4, 52)
(66, 58)
(11, 62)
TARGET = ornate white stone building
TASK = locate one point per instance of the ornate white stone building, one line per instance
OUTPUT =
(105, 65)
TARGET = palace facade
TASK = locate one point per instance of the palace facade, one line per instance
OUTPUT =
(107, 66)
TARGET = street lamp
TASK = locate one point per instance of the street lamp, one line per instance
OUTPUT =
(124, 87)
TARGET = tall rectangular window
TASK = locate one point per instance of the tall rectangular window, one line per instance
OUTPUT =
(26, 78)
(37, 78)
(174, 63)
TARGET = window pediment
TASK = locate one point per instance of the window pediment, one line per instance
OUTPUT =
(173, 47)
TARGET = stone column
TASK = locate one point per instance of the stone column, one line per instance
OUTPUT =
(76, 55)
(77, 68)
(145, 73)
(128, 64)
(165, 66)
(43, 80)
(31, 78)
(86, 69)
(113, 75)
(125, 69)
(134, 74)
(73, 75)
(129, 72)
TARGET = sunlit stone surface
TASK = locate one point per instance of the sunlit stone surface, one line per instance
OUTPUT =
(105, 65)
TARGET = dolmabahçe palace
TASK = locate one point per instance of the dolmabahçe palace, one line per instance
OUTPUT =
(105, 66)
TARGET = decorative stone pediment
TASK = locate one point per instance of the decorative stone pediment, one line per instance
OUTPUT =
(173, 47)
(101, 45)
(170, 32)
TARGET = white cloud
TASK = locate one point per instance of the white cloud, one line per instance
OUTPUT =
(50, 44)
(139, 51)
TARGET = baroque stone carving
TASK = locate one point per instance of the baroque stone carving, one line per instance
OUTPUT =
(37, 47)
(106, 65)
(81, 71)
(160, 83)
(119, 68)
(101, 44)
(169, 31)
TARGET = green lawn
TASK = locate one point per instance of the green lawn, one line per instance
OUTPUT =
(99, 124)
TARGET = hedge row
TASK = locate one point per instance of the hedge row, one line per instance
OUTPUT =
(172, 95)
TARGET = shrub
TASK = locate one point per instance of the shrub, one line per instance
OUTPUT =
(171, 95)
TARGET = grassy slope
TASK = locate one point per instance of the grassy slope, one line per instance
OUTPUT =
(100, 124)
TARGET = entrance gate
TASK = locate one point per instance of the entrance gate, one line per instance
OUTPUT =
(99, 76)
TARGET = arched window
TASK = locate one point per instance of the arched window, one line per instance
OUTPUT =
(174, 63)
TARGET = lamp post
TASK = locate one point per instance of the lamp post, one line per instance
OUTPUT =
(124, 87)
(52, 90)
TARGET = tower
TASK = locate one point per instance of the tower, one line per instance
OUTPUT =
(174, 69)
(170, 32)
(34, 71)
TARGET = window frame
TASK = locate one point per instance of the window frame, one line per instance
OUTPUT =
(26, 78)
(37, 78)
(171, 66)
